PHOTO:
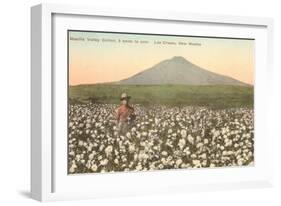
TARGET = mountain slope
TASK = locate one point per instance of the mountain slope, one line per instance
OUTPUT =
(178, 70)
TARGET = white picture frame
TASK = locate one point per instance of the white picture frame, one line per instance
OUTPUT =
(49, 22)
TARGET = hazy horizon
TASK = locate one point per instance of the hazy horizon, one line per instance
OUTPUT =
(97, 57)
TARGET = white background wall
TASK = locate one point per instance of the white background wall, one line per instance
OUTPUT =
(15, 95)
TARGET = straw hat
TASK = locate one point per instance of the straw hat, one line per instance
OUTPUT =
(124, 96)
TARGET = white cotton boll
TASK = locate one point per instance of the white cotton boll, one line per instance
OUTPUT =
(183, 133)
(164, 153)
(240, 162)
(139, 167)
(80, 143)
(142, 155)
(104, 162)
(199, 145)
(131, 148)
(71, 169)
(178, 162)
(229, 153)
(100, 157)
(181, 143)
(196, 162)
(224, 153)
(193, 156)
(136, 157)
(94, 167)
(156, 120)
(228, 143)
(88, 164)
(90, 147)
(190, 139)
(138, 135)
(206, 141)
(108, 150)
(169, 158)
(123, 158)
(152, 166)
(204, 163)
(198, 139)
(144, 134)
(91, 156)
(187, 151)
(128, 135)
(77, 157)
(160, 166)
(212, 165)
(71, 153)
(116, 161)
(203, 156)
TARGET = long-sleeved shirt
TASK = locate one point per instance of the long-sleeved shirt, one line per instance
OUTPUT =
(124, 112)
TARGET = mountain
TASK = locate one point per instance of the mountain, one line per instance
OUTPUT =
(178, 70)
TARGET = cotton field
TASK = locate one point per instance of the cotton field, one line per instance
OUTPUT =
(161, 137)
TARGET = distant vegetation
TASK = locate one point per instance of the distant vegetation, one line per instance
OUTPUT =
(217, 96)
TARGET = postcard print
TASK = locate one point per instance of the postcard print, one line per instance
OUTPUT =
(144, 102)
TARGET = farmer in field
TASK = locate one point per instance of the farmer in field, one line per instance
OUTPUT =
(125, 114)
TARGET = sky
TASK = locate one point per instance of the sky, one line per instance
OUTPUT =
(99, 57)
